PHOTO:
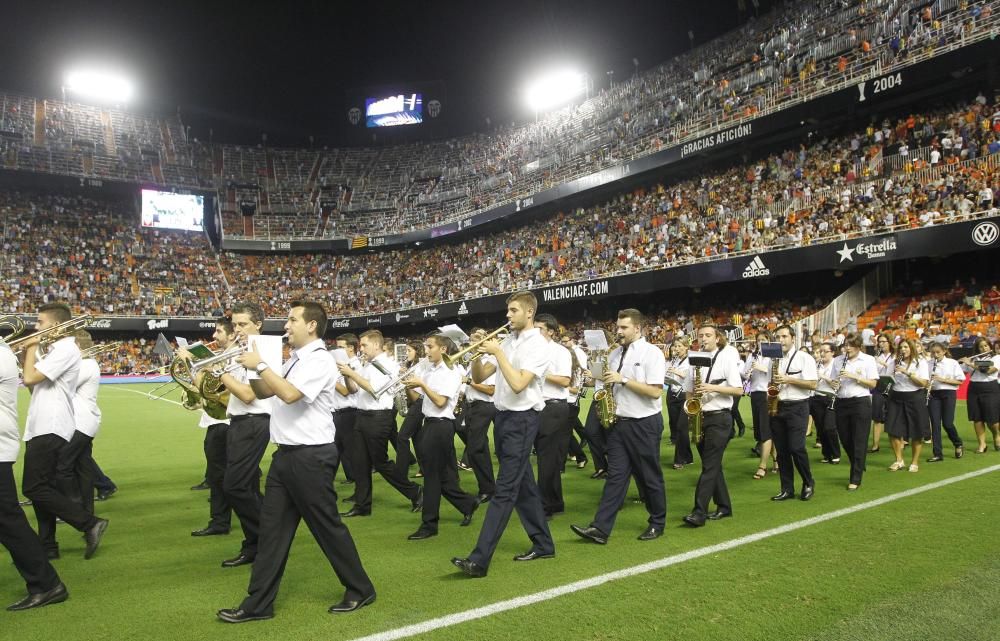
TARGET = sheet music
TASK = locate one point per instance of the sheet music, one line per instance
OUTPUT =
(340, 355)
(595, 339)
(270, 352)
(455, 333)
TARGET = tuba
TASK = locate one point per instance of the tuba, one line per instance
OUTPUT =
(692, 407)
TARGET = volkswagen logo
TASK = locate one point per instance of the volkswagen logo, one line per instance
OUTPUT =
(985, 234)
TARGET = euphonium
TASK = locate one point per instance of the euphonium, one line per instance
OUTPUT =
(692, 407)
(214, 395)
(772, 390)
(180, 371)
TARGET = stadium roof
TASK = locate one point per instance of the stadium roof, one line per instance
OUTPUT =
(283, 68)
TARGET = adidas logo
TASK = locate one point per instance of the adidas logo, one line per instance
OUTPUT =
(462, 309)
(756, 268)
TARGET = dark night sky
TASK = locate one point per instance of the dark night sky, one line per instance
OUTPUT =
(283, 67)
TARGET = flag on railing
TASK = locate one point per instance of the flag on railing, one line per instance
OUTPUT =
(359, 242)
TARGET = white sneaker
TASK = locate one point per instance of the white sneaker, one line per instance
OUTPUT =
(914, 468)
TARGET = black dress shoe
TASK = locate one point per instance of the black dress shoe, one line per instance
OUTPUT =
(201, 486)
(483, 498)
(210, 531)
(718, 515)
(347, 482)
(590, 533)
(599, 474)
(420, 535)
(57, 594)
(935, 459)
(242, 559)
(93, 537)
(755, 451)
(807, 493)
(356, 511)
(52, 555)
(470, 568)
(581, 464)
(106, 494)
(348, 605)
(959, 451)
(694, 520)
(239, 615)
(349, 499)
(783, 495)
(467, 518)
(24, 503)
(651, 533)
(418, 503)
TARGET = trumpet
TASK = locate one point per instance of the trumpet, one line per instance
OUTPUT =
(395, 384)
(471, 351)
(14, 324)
(51, 334)
(96, 350)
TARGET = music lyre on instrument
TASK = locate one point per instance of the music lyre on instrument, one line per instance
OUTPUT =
(472, 348)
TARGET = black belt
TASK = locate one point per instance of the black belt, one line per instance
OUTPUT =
(790, 403)
(239, 417)
(292, 448)
(555, 400)
(480, 401)
(373, 412)
(346, 409)
(714, 412)
(438, 419)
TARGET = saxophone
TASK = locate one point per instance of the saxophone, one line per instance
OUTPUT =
(603, 397)
(692, 407)
(772, 390)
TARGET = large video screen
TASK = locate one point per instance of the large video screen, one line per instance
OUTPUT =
(392, 111)
(167, 210)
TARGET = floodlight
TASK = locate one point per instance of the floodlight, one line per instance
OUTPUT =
(554, 89)
(104, 86)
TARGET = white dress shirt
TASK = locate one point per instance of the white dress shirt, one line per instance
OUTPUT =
(51, 408)
(724, 371)
(472, 394)
(445, 381)
(979, 377)
(377, 379)
(236, 407)
(526, 350)
(10, 436)
(758, 379)
(904, 383)
(681, 366)
(643, 363)
(85, 409)
(309, 420)
(824, 372)
(205, 421)
(948, 368)
(862, 365)
(342, 402)
(796, 364)
(886, 364)
(560, 364)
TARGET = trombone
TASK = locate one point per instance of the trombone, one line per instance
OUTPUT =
(471, 351)
(50, 335)
(15, 324)
(96, 350)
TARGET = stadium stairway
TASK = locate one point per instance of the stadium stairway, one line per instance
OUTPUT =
(168, 143)
(109, 134)
(39, 123)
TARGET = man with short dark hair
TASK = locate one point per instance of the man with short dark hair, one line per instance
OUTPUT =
(796, 378)
(554, 431)
(300, 479)
(345, 411)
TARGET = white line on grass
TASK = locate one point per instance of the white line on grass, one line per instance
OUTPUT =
(546, 595)
(152, 398)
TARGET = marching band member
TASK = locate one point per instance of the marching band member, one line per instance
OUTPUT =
(439, 385)
(246, 441)
(25, 547)
(75, 471)
(521, 363)
(300, 478)
(820, 407)
(596, 435)
(345, 413)
(756, 372)
(478, 416)
(677, 368)
(552, 442)
(635, 373)
(880, 398)
(855, 376)
(412, 416)
(796, 378)
(906, 419)
(374, 427)
(575, 389)
(946, 375)
(984, 394)
(52, 377)
(721, 384)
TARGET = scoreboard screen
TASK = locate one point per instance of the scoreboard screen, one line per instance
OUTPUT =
(168, 210)
(394, 110)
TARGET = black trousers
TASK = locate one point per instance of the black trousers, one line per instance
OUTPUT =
(575, 427)
(407, 433)
(102, 483)
(596, 438)
(478, 416)
(16, 535)
(346, 440)
(514, 435)
(788, 430)
(678, 419)
(246, 442)
(38, 482)
(942, 414)
(761, 419)
(220, 514)
(374, 431)
(854, 424)
(552, 444)
(717, 428)
(75, 470)
(826, 426)
(300, 487)
(437, 449)
(737, 416)
(633, 450)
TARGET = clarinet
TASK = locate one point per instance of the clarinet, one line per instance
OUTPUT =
(843, 366)
(930, 381)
